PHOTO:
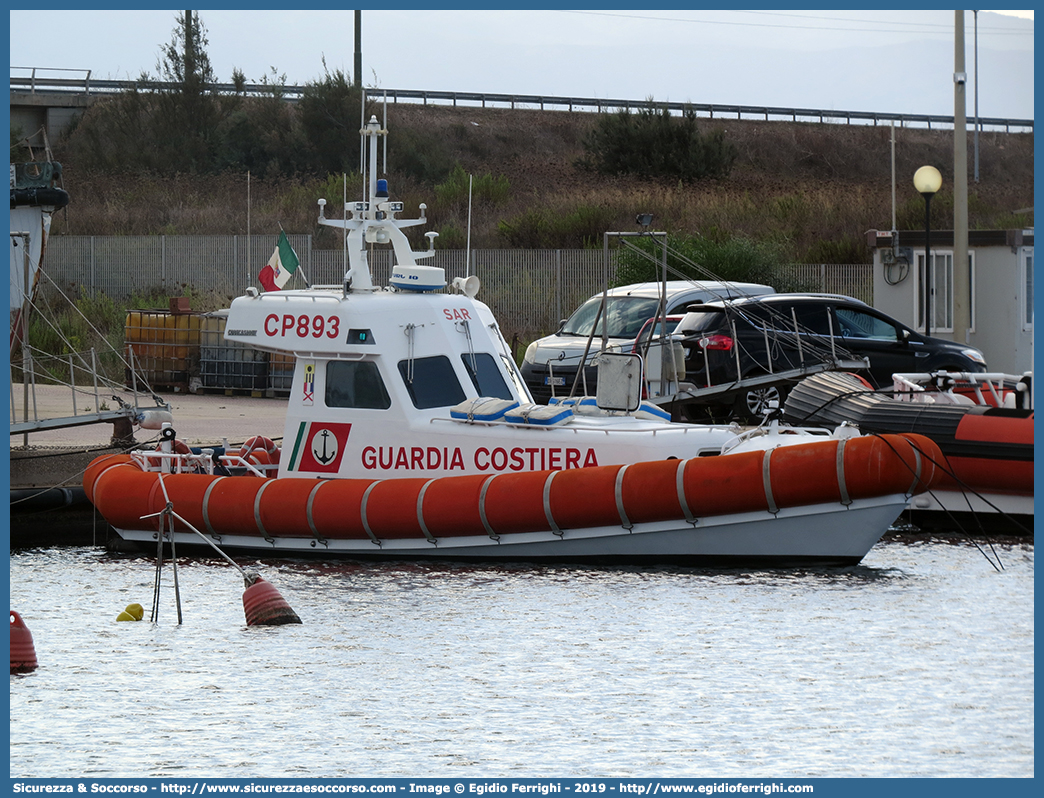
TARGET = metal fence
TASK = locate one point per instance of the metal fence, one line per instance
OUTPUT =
(528, 290)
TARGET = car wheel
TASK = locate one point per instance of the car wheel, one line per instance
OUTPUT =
(752, 405)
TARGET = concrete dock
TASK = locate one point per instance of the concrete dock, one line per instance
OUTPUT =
(199, 419)
(48, 505)
(53, 456)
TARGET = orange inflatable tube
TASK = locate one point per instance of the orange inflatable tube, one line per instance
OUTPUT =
(818, 472)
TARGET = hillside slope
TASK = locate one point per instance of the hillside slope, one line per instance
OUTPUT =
(816, 188)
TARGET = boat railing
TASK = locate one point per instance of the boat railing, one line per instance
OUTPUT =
(988, 389)
(761, 371)
(159, 461)
(236, 462)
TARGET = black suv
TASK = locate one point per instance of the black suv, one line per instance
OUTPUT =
(723, 340)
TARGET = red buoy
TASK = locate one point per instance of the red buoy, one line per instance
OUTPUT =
(263, 606)
(23, 653)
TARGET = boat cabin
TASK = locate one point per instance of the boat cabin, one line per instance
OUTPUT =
(411, 380)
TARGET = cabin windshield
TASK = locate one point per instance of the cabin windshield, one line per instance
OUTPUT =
(516, 377)
(431, 382)
(485, 376)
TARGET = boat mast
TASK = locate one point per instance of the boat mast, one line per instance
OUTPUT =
(373, 221)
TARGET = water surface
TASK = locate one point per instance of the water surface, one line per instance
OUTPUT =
(918, 662)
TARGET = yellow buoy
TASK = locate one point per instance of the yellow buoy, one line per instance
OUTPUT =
(134, 612)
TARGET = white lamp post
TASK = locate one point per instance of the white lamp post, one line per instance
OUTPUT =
(927, 181)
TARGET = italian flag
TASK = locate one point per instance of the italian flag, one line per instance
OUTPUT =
(281, 266)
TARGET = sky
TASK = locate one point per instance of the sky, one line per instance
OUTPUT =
(887, 61)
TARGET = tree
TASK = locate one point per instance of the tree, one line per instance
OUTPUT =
(172, 127)
(185, 60)
(190, 110)
(329, 115)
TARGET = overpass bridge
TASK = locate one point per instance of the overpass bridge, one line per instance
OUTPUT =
(47, 100)
(48, 104)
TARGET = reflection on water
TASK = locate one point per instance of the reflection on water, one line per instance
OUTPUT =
(918, 662)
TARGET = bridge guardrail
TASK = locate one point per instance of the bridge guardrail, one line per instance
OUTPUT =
(36, 84)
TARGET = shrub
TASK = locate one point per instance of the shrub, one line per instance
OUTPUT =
(847, 249)
(700, 257)
(656, 144)
(19, 150)
(329, 118)
(421, 156)
(544, 228)
(485, 188)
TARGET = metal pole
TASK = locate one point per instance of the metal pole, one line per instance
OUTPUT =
(358, 49)
(154, 615)
(174, 565)
(893, 186)
(927, 264)
(27, 363)
(663, 312)
(249, 263)
(960, 302)
(558, 287)
(976, 16)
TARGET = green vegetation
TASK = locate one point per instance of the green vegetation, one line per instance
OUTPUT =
(581, 227)
(458, 186)
(656, 144)
(328, 118)
(699, 257)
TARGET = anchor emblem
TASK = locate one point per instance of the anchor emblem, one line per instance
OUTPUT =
(323, 448)
(329, 446)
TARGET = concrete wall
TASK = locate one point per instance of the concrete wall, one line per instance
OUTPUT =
(33, 113)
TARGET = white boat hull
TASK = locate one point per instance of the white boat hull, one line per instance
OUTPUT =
(998, 513)
(827, 534)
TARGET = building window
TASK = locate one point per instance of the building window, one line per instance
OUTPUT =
(942, 294)
(1027, 288)
(942, 298)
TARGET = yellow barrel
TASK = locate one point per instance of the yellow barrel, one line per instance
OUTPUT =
(165, 345)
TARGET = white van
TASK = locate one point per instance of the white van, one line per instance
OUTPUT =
(551, 363)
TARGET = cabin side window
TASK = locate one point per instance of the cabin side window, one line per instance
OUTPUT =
(431, 382)
(486, 377)
(355, 383)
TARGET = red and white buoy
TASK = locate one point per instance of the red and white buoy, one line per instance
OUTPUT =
(263, 604)
(23, 653)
